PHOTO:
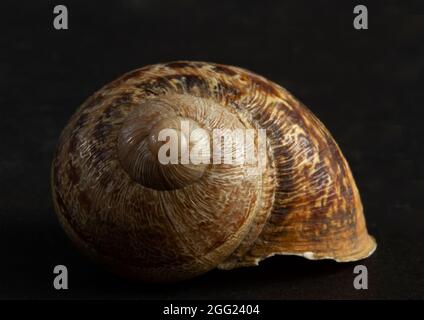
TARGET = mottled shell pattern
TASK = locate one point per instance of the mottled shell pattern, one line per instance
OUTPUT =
(151, 222)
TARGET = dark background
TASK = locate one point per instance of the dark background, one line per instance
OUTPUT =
(365, 86)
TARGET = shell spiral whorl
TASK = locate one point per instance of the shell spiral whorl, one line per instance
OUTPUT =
(156, 222)
(139, 143)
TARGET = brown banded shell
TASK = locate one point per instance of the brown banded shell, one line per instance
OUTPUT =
(156, 222)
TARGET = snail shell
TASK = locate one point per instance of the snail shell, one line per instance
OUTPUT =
(156, 222)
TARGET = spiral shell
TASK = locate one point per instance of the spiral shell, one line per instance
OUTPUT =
(156, 222)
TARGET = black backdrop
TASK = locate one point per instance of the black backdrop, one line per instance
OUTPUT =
(366, 86)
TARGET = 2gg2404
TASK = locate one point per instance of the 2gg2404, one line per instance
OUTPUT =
(218, 309)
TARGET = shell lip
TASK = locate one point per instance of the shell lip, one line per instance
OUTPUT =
(309, 255)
